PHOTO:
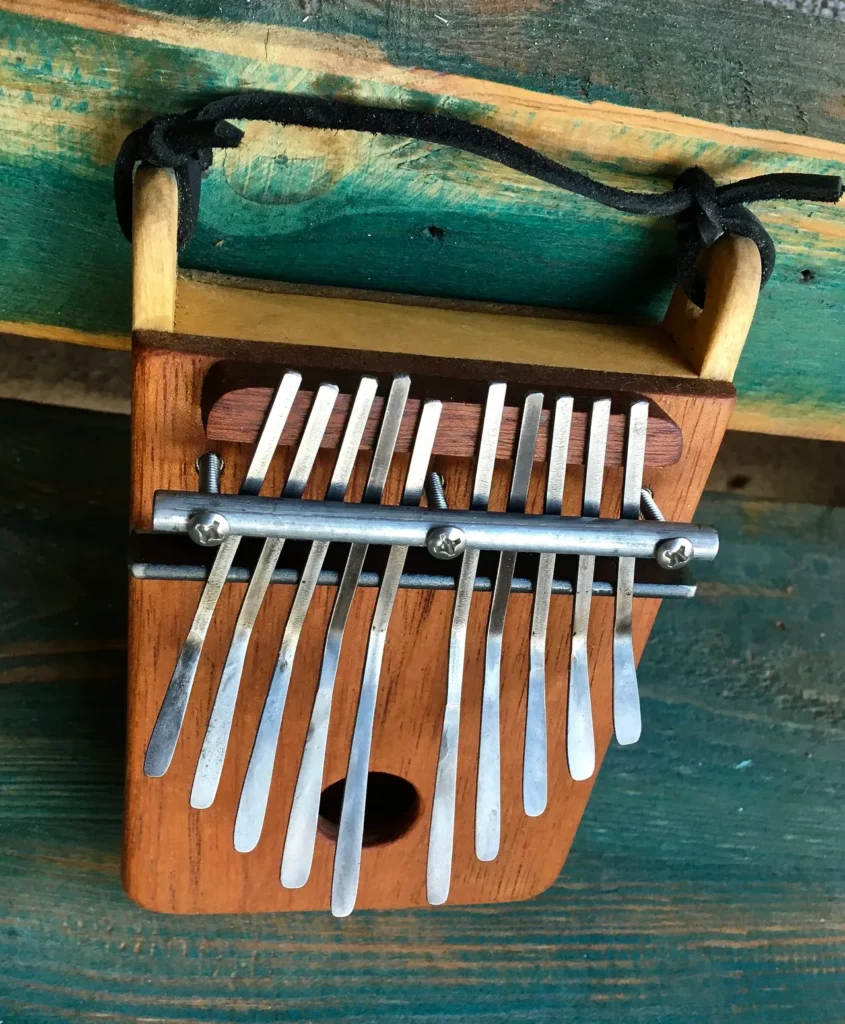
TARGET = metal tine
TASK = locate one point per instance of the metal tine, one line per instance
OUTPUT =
(259, 582)
(535, 761)
(171, 715)
(441, 838)
(347, 860)
(303, 463)
(298, 853)
(252, 806)
(627, 721)
(580, 741)
(488, 790)
(213, 753)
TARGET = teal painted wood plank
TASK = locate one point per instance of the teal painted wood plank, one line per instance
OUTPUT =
(705, 882)
(733, 62)
(357, 211)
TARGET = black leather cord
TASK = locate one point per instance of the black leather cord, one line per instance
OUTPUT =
(704, 211)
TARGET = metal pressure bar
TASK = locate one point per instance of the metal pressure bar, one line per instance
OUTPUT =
(349, 523)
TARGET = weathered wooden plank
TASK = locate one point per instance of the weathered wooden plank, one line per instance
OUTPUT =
(705, 883)
(392, 214)
(755, 64)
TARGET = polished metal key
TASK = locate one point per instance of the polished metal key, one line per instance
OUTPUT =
(626, 700)
(535, 760)
(298, 853)
(303, 463)
(442, 835)
(488, 790)
(168, 725)
(213, 753)
(347, 862)
(580, 741)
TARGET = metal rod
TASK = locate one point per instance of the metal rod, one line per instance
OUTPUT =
(409, 581)
(580, 742)
(298, 854)
(350, 523)
(626, 700)
(442, 834)
(213, 753)
(535, 759)
(171, 715)
(488, 790)
(211, 764)
(347, 861)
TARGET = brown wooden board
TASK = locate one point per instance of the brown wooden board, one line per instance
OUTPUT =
(183, 860)
(238, 416)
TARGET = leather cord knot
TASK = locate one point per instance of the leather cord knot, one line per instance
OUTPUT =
(181, 142)
(704, 208)
(711, 214)
(704, 211)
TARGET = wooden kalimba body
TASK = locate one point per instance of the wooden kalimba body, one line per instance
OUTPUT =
(297, 697)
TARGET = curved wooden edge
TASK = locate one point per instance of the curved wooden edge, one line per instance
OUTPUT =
(155, 210)
(712, 338)
(709, 341)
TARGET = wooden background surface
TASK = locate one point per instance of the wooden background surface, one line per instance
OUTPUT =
(705, 883)
(630, 90)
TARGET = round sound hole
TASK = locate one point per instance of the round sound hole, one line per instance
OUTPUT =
(391, 809)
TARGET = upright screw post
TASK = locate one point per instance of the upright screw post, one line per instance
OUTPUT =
(209, 466)
(649, 507)
(434, 493)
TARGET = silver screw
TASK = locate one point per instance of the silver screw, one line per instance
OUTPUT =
(434, 493)
(208, 529)
(446, 541)
(649, 506)
(209, 466)
(674, 553)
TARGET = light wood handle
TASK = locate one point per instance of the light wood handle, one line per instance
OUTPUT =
(155, 211)
(712, 338)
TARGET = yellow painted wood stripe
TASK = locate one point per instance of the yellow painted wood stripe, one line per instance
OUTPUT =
(764, 417)
(255, 314)
(51, 332)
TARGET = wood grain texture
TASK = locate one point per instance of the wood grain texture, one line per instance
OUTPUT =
(710, 339)
(774, 69)
(178, 859)
(713, 338)
(238, 416)
(394, 215)
(155, 211)
(704, 882)
(222, 307)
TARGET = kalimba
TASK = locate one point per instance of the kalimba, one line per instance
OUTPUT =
(393, 564)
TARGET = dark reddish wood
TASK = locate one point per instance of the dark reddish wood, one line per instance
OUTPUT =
(238, 416)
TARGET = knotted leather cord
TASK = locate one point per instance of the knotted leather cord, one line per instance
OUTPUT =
(703, 210)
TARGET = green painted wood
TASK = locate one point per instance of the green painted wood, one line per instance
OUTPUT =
(706, 879)
(755, 64)
(360, 215)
